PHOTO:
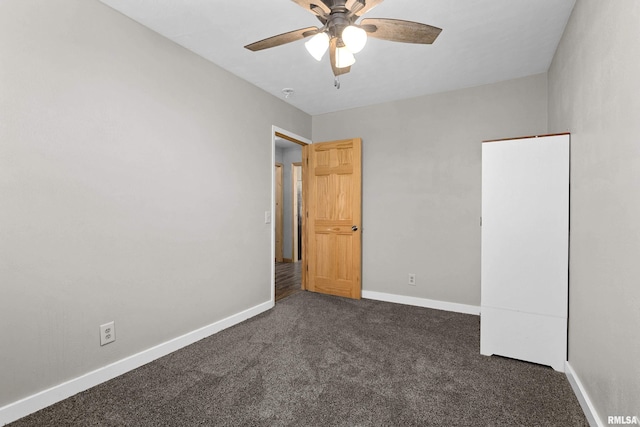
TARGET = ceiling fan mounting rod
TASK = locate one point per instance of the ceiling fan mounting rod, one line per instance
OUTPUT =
(335, 4)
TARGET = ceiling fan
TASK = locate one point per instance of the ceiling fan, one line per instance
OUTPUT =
(342, 36)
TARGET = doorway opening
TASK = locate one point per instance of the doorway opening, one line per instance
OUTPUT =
(279, 211)
(296, 185)
(286, 199)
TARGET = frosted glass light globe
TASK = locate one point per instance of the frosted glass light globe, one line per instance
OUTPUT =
(318, 45)
(354, 38)
(344, 58)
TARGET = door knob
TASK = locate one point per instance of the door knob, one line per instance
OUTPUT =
(354, 228)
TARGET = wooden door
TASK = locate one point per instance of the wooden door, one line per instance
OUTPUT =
(332, 202)
(279, 213)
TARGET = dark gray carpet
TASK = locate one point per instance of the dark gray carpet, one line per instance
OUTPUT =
(316, 360)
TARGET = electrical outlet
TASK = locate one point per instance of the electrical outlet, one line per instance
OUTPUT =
(107, 333)
(412, 279)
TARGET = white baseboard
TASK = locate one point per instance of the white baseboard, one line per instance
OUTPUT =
(33, 403)
(583, 397)
(422, 302)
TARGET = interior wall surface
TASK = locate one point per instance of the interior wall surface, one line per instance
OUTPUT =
(279, 152)
(594, 93)
(291, 155)
(422, 182)
(134, 177)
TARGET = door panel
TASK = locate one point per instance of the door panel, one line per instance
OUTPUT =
(333, 209)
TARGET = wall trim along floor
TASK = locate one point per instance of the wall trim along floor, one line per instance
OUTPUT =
(580, 392)
(33, 403)
(422, 302)
(578, 389)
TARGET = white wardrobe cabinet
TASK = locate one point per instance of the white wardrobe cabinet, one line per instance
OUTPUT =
(525, 249)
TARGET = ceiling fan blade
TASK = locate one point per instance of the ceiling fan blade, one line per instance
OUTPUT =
(322, 17)
(360, 7)
(281, 39)
(397, 30)
(333, 45)
(308, 5)
(354, 6)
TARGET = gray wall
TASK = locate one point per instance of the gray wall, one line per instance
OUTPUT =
(134, 177)
(421, 181)
(594, 92)
(279, 155)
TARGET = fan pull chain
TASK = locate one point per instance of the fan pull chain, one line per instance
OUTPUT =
(336, 82)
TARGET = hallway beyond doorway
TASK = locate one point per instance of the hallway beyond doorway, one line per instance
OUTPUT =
(288, 279)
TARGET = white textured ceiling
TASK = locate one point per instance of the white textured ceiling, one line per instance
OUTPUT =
(482, 42)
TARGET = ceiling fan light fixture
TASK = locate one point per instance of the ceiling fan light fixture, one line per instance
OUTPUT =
(354, 38)
(342, 37)
(344, 58)
(318, 45)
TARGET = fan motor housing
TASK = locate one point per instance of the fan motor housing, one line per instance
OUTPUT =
(338, 21)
